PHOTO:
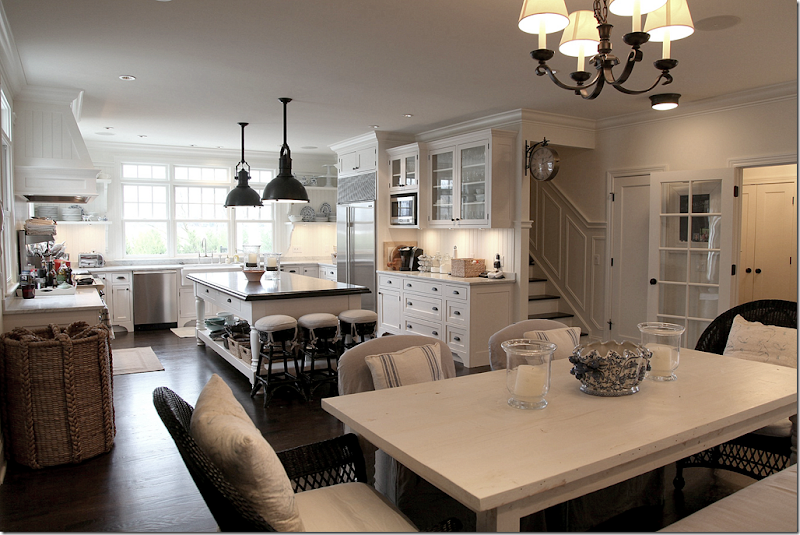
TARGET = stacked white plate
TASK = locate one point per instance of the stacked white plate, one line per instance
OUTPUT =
(49, 211)
(71, 213)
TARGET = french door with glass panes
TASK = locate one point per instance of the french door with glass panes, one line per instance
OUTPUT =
(693, 229)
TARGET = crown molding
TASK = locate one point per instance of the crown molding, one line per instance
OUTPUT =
(732, 101)
(11, 71)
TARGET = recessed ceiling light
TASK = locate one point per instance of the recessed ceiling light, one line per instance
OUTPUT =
(104, 133)
(142, 135)
(127, 77)
(375, 126)
(309, 147)
(408, 115)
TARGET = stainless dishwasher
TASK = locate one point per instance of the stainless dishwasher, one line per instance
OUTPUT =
(155, 300)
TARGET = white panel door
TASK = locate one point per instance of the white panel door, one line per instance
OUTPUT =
(693, 230)
(630, 217)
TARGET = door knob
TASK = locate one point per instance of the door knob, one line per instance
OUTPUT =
(653, 281)
(748, 270)
(758, 270)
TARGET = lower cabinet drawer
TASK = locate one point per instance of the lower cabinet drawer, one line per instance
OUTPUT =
(422, 307)
(226, 302)
(425, 328)
(457, 340)
(457, 313)
(390, 282)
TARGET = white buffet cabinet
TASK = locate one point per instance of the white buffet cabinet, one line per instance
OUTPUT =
(464, 312)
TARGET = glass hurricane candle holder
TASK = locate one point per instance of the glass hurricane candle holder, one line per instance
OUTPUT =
(528, 372)
(663, 340)
(251, 253)
(272, 263)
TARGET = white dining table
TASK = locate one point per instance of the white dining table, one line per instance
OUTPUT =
(505, 463)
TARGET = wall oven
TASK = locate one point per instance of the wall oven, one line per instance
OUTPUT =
(404, 209)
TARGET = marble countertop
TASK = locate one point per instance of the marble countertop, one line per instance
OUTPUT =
(194, 266)
(509, 277)
(285, 286)
(82, 299)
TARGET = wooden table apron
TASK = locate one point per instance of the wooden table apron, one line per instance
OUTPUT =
(246, 307)
(504, 463)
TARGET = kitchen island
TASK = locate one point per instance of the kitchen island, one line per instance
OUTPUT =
(286, 293)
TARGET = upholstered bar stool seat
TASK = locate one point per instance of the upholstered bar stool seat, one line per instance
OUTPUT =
(358, 323)
(318, 336)
(277, 334)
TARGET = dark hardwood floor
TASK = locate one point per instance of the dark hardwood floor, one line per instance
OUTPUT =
(142, 485)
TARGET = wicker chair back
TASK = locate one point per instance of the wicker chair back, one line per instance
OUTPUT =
(767, 311)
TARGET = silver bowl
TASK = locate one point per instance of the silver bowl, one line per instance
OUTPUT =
(610, 368)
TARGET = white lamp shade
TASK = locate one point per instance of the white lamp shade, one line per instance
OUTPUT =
(625, 8)
(552, 12)
(673, 20)
(581, 32)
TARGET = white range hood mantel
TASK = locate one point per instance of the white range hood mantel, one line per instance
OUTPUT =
(52, 162)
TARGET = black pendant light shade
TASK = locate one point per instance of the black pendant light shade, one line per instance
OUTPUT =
(243, 194)
(285, 187)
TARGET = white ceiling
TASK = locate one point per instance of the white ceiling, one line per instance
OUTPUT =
(202, 66)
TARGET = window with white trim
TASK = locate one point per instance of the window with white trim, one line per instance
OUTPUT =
(178, 210)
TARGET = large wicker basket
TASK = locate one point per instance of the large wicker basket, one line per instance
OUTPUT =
(56, 402)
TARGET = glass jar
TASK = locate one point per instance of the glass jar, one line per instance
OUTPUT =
(272, 263)
(663, 340)
(528, 372)
(251, 253)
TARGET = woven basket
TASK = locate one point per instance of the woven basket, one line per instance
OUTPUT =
(56, 402)
(467, 267)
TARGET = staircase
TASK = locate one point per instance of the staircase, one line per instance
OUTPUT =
(544, 301)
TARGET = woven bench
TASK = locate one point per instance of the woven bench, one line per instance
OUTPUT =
(769, 505)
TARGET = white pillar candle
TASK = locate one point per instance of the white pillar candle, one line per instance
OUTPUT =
(252, 258)
(663, 360)
(530, 381)
(272, 261)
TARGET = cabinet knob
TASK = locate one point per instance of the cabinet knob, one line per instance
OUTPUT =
(653, 281)
(435, 289)
(229, 300)
(758, 270)
(457, 338)
(456, 313)
(455, 292)
(748, 270)
(408, 326)
(388, 282)
(435, 333)
(435, 309)
(408, 285)
(408, 303)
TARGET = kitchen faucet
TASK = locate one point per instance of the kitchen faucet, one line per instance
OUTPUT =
(203, 245)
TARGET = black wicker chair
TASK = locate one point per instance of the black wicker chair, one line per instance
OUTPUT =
(338, 460)
(753, 455)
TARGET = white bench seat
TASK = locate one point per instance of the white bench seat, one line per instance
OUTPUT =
(769, 505)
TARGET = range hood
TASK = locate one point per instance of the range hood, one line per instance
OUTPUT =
(52, 163)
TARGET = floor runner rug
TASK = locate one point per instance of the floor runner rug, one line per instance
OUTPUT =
(184, 332)
(135, 360)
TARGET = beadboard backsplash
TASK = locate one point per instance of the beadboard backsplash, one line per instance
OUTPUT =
(471, 243)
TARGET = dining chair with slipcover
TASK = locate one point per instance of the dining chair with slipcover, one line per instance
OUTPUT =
(247, 486)
(416, 498)
(752, 331)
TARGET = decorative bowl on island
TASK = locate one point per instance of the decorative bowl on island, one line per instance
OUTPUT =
(610, 368)
(253, 275)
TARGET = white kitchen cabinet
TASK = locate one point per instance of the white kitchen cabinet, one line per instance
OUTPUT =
(464, 314)
(311, 270)
(404, 175)
(121, 306)
(470, 178)
(327, 272)
(359, 161)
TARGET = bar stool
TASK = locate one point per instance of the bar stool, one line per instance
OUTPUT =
(276, 332)
(318, 335)
(358, 323)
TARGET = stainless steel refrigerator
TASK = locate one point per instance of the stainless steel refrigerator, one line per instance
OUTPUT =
(355, 246)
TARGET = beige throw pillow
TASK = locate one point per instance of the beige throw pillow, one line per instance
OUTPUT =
(409, 366)
(752, 340)
(224, 431)
(565, 339)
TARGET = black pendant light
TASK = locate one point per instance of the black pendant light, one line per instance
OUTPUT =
(285, 187)
(243, 194)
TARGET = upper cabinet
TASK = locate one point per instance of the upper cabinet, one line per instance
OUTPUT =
(470, 180)
(359, 161)
(404, 168)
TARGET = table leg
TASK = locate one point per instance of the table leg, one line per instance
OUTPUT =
(200, 309)
(504, 519)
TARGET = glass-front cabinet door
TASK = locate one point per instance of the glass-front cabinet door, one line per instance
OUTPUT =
(473, 190)
(441, 184)
(403, 172)
(692, 237)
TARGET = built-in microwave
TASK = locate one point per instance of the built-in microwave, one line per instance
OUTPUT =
(404, 209)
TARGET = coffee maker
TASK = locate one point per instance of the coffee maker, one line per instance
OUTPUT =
(409, 258)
